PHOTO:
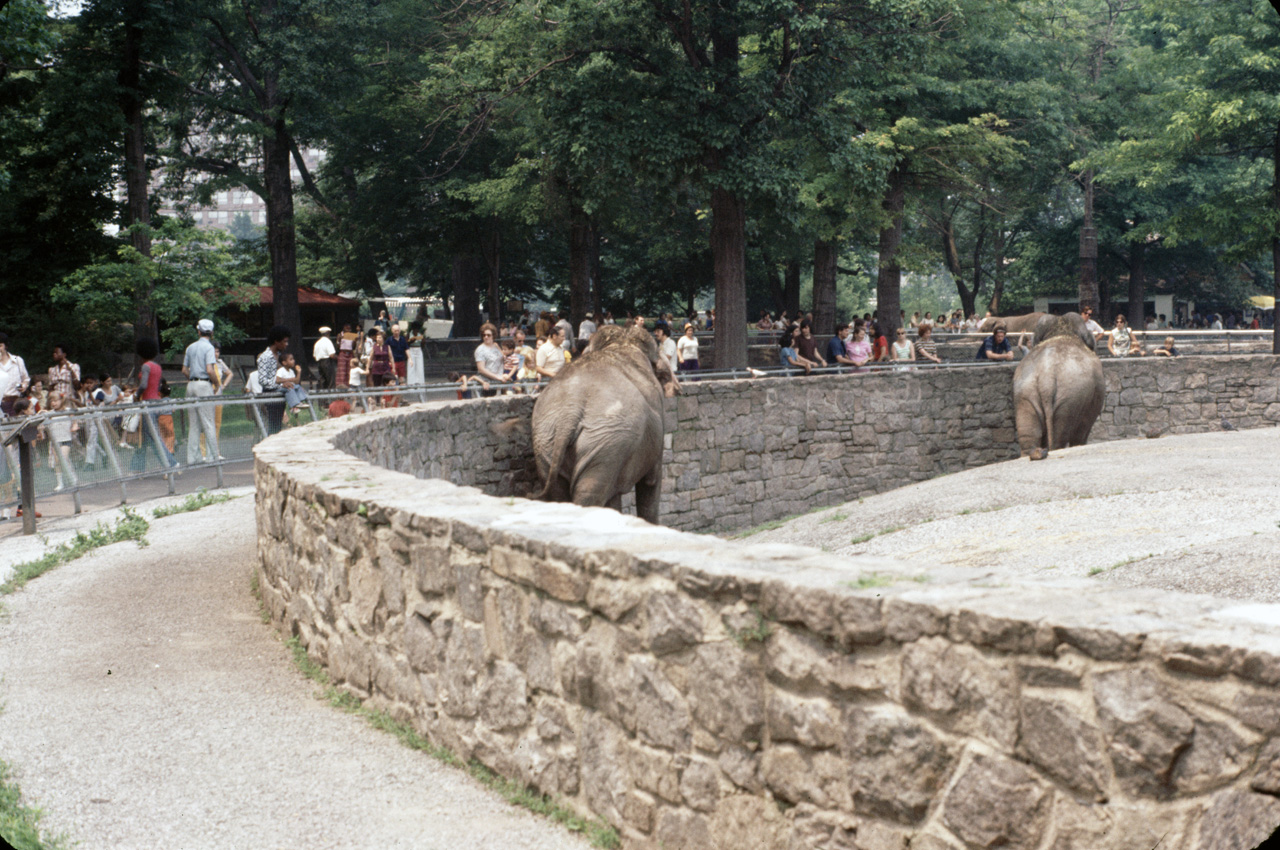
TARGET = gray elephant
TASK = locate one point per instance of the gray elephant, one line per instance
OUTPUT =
(1058, 388)
(1012, 324)
(598, 425)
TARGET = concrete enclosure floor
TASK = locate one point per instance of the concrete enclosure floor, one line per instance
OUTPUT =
(1197, 513)
(146, 704)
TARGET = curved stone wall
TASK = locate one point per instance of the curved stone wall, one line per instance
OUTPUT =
(707, 694)
(747, 452)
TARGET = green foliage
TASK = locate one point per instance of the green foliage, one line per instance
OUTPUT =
(20, 824)
(130, 526)
(189, 276)
(200, 499)
(599, 833)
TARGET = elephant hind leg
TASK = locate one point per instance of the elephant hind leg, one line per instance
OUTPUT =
(648, 497)
(557, 490)
(1030, 423)
(595, 491)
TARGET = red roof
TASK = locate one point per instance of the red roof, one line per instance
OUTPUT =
(308, 297)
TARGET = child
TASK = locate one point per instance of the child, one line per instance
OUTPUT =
(60, 431)
(294, 395)
(131, 425)
(464, 382)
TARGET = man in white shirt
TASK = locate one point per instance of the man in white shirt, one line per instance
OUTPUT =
(200, 365)
(325, 356)
(566, 341)
(586, 330)
(666, 344)
(550, 357)
(14, 379)
(1093, 327)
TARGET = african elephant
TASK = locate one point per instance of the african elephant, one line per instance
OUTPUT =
(1048, 324)
(1012, 324)
(1058, 388)
(598, 425)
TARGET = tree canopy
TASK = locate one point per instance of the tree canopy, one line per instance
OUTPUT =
(743, 155)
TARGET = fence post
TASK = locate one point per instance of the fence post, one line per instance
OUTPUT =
(100, 428)
(69, 473)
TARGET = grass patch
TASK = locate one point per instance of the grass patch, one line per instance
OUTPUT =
(599, 833)
(758, 632)
(865, 581)
(770, 525)
(863, 538)
(131, 526)
(836, 516)
(19, 824)
(202, 498)
(1093, 571)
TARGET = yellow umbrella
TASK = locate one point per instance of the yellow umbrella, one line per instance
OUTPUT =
(1266, 302)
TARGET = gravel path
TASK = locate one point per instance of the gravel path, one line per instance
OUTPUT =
(145, 705)
(1198, 513)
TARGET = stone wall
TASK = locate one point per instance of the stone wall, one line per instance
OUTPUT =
(745, 452)
(698, 693)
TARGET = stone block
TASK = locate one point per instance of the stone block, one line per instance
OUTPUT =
(655, 771)
(1238, 820)
(678, 829)
(672, 623)
(1146, 730)
(464, 662)
(897, 764)
(962, 688)
(700, 785)
(815, 723)
(469, 591)
(741, 822)
(1217, 756)
(798, 775)
(1065, 746)
(661, 714)
(505, 700)
(909, 621)
(605, 773)
(560, 581)
(727, 700)
(997, 802)
(613, 598)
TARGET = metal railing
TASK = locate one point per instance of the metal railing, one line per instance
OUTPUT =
(122, 443)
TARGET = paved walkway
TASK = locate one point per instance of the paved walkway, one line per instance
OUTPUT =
(145, 704)
(1198, 513)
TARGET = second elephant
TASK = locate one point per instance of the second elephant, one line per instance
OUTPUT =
(1058, 388)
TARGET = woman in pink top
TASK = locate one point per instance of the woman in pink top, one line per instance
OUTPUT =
(857, 348)
(149, 390)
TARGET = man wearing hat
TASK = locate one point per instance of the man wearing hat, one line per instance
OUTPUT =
(199, 364)
(325, 356)
(585, 330)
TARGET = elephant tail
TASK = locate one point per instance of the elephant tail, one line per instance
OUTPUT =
(559, 448)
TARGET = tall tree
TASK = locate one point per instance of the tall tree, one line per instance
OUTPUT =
(267, 70)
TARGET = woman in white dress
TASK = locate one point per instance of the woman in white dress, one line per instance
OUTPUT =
(416, 370)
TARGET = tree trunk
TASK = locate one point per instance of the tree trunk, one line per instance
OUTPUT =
(824, 288)
(1138, 286)
(997, 280)
(951, 257)
(282, 243)
(469, 278)
(579, 266)
(1275, 243)
(728, 251)
(1089, 250)
(493, 268)
(791, 289)
(137, 177)
(889, 277)
(597, 290)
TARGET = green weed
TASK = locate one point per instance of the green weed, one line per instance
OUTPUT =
(19, 824)
(836, 516)
(131, 526)
(862, 538)
(599, 833)
(759, 632)
(866, 581)
(200, 499)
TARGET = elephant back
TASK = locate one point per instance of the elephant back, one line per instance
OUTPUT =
(1068, 324)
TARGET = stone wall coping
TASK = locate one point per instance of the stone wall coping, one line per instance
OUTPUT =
(792, 584)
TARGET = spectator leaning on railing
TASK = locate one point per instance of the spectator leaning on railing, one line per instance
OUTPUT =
(268, 366)
(14, 379)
